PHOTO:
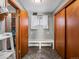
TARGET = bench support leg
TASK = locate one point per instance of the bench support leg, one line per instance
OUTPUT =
(53, 45)
(39, 45)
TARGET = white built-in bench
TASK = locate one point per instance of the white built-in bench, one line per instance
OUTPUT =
(41, 43)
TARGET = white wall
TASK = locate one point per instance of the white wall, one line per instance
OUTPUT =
(2, 23)
(2, 3)
(42, 34)
(9, 22)
(2, 30)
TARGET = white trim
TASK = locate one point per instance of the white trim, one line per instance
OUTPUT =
(61, 6)
(19, 5)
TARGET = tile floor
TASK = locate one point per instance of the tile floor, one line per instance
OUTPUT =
(44, 53)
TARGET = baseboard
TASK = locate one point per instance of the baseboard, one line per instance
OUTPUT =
(38, 44)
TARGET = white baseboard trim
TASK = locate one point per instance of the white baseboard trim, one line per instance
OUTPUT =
(38, 45)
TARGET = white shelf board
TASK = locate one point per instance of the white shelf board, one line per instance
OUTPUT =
(5, 54)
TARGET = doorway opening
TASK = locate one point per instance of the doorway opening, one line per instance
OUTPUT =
(10, 26)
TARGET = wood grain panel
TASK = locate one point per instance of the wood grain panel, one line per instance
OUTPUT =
(18, 49)
(1, 17)
(24, 32)
(60, 33)
(73, 30)
(14, 4)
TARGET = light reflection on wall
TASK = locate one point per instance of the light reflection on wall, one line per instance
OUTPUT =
(61, 21)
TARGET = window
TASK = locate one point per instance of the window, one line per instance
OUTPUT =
(39, 21)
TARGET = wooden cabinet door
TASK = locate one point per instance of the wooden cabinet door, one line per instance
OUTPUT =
(24, 32)
(72, 30)
(60, 33)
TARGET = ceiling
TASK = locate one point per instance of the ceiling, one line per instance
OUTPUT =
(45, 6)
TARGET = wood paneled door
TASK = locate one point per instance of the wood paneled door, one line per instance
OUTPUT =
(72, 14)
(67, 31)
(60, 33)
(21, 29)
(24, 32)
